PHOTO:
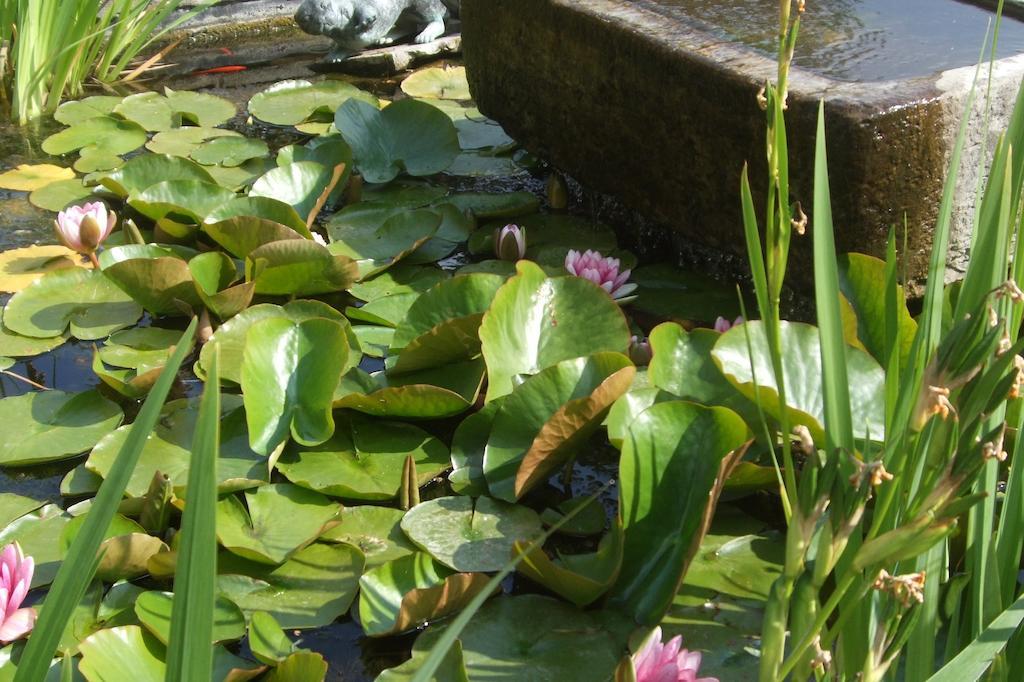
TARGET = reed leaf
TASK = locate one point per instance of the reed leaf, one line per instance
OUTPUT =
(971, 663)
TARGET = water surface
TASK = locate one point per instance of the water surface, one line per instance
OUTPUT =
(858, 40)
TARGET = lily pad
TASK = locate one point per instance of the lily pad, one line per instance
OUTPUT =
(298, 267)
(681, 446)
(21, 267)
(296, 101)
(862, 282)
(482, 135)
(441, 326)
(363, 460)
(298, 184)
(405, 593)
(27, 177)
(628, 407)
(39, 534)
(56, 196)
(276, 521)
(387, 311)
(14, 506)
(405, 193)
(230, 336)
(154, 612)
(242, 235)
(290, 371)
(803, 377)
(428, 394)
(107, 134)
(200, 108)
(376, 531)
(547, 417)
(266, 208)
(439, 83)
(408, 135)
(229, 151)
(483, 164)
(536, 321)
(468, 445)
(54, 425)
(84, 300)
(149, 109)
(373, 340)
(168, 450)
(580, 578)
(667, 292)
(489, 205)
(80, 110)
(470, 535)
(160, 285)
(146, 170)
(401, 279)
(312, 589)
(183, 201)
(377, 246)
(182, 141)
(140, 347)
(92, 162)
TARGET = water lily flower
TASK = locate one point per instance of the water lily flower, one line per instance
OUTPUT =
(83, 228)
(510, 243)
(657, 662)
(15, 578)
(600, 270)
(640, 350)
(723, 325)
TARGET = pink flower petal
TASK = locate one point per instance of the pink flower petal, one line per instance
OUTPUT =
(17, 625)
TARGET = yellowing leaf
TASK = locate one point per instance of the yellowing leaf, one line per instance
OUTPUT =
(21, 267)
(27, 177)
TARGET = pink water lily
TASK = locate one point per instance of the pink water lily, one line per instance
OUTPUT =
(669, 662)
(510, 243)
(15, 578)
(83, 228)
(723, 325)
(602, 271)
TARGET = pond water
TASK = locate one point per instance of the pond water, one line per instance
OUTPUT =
(858, 40)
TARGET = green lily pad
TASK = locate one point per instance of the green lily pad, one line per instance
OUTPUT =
(229, 151)
(160, 285)
(408, 135)
(239, 178)
(377, 246)
(168, 450)
(300, 666)
(628, 407)
(356, 224)
(76, 111)
(267, 640)
(27, 177)
(230, 336)
(439, 83)
(405, 593)
(428, 394)
(470, 535)
(441, 326)
(290, 371)
(57, 196)
(146, 170)
(490, 205)
(276, 521)
(200, 108)
(242, 235)
(387, 311)
(580, 578)
(327, 150)
(588, 521)
(130, 383)
(373, 340)
(92, 162)
(298, 267)
(129, 652)
(536, 321)
(803, 378)
(39, 533)
(363, 460)
(80, 482)
(182, 141)
(862, 282)
(267, 208)
(312, 589)
(154, 612)
(482, 135)
(665, 291)
(298, 184)
(54, 425)
(84, 300)
(107, 134)
(401, 279)
(149, 109)
(21, 267)
(551, 236)
(185, 201)
(405, 192)
(547, 417)
(376, 531)
(213, 273)
(14, 506)
(681, 445)
(468, 445)
(295, 101)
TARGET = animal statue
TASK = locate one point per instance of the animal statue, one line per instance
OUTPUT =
(355, 25)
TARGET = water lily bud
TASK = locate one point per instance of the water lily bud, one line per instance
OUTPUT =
(558, 192)
(510, 243)
(83, 228)
(90, 233)
(640, 351)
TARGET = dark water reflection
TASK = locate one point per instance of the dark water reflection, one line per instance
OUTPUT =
(858, 40)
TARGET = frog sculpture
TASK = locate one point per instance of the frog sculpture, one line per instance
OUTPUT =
(355, 25)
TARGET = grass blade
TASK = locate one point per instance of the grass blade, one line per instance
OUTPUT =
(971, 663)
(73, 578)
(189, 652)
